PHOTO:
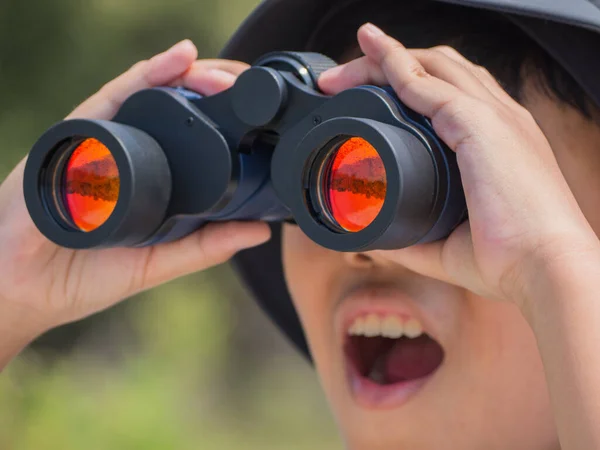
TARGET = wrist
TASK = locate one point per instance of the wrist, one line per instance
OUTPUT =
(559, 275)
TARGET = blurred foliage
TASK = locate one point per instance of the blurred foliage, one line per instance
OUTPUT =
(192, 364)
(54, 54)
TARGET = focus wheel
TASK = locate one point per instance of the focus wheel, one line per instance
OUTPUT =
(305, 66)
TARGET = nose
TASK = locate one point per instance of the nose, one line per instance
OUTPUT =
(368, 260)
(360, 260)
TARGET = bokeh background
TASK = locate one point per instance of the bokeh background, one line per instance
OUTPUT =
(192, 364)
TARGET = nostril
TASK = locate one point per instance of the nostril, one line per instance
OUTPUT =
(360, 260)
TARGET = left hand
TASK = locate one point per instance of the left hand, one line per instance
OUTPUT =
(43, 285)
(523, 217)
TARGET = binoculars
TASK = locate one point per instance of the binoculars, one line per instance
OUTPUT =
(355, 171)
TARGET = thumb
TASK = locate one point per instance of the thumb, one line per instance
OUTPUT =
(214, 244)
(451, 260)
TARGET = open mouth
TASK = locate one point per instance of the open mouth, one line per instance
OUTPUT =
(387, 353)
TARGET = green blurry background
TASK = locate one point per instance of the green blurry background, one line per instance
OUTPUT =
(192, 364)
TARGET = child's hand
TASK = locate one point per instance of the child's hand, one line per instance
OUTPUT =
(44, 285)
(523, 217)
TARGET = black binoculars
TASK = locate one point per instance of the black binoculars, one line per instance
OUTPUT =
(355, 171)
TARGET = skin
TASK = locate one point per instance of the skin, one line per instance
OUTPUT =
(510, 295)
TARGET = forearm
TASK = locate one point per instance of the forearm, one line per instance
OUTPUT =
(564, 312)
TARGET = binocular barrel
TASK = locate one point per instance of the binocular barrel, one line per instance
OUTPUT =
(356, 171)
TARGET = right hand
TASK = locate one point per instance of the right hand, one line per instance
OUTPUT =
(52, 285)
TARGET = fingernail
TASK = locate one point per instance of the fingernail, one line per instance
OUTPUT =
(373, 30)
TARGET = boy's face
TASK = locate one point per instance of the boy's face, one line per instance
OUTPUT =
(474, 379)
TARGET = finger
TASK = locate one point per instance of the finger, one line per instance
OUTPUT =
(412, 83)
(387, 61)
(484, 76)
(209, 77)
(440, 65)
(357, 72)
(213, 244)
(160, 70)
(365, 71)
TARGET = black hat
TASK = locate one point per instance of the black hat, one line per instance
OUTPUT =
(569, 30)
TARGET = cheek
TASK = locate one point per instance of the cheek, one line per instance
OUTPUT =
(309, 270)
(496, 367)
(302, 260)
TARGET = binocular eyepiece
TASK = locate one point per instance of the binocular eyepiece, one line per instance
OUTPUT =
(356, 171)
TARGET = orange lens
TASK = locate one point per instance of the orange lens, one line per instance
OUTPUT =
(356, 184)
(90, 185)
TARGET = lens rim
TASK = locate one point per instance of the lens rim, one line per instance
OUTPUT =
(317, 174)
(312, 152)
(141, 163)
(51, 181)
(49, 184)
(399, 148)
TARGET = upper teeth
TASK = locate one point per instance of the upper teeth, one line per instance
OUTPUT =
(393, 327)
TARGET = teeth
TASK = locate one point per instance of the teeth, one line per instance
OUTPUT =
(413, 328)
(392, 327)
(358, 327)
(372, 326)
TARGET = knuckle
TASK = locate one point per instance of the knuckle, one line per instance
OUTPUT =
(456, 108)
(410, 88)
(459, 120)
(447, 50)
(436, 57)
(448, 114)
(484, 71)
(394, 54)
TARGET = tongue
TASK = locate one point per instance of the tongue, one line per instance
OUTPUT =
(409, 359)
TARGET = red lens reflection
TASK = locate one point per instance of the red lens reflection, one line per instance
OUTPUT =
(356, 184)
(91, 185)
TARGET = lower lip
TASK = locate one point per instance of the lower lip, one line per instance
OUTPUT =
(371, 395)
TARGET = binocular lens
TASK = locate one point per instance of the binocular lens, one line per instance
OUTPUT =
(355, 184)
(90, 185)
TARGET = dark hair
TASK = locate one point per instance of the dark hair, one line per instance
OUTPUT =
(486, 38)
